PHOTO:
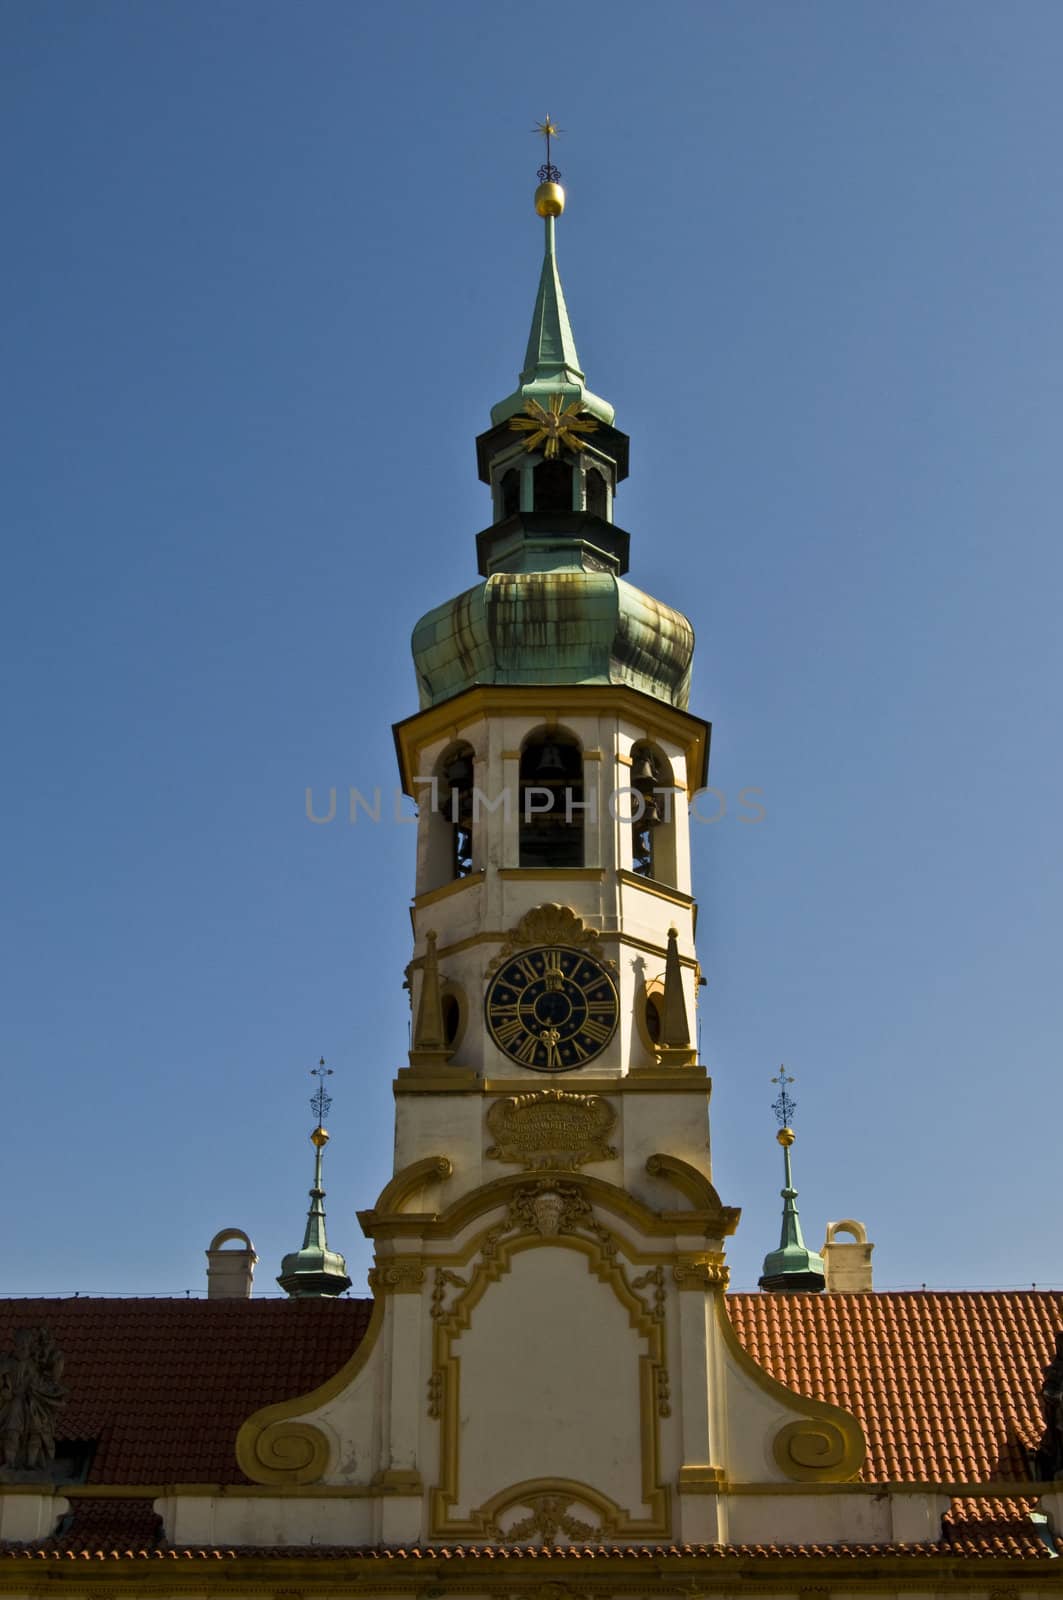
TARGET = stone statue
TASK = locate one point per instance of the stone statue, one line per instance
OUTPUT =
(30, 1396)
(1049, 1457)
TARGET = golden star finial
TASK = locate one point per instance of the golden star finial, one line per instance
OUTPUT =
(557, 427)
(549, 130)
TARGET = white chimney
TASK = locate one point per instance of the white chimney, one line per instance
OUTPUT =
(230, 1272)
(847, 1262)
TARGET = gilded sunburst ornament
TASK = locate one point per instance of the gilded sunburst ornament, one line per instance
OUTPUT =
(556, 426)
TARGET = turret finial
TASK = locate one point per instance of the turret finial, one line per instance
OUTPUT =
(793, 1266)
(551, 376)
(315, 1271)
(549, 196)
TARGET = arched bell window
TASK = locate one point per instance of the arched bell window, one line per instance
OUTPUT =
(597, 493)
(509, 494)
(553, 486)
(652, 823)
(455, 785)
(551, 801)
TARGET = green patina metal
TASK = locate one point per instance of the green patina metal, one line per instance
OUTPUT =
(561, 626)
(551, 365)
(315, 1271)
(553, 606)
(793, 1267)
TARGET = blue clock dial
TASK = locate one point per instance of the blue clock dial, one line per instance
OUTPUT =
(552, 1008)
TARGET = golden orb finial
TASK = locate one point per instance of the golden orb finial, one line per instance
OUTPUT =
(319, 1138)
(549, 199)
(786, 1137)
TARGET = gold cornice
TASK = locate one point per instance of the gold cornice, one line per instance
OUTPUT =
(401, 1274)
(166, 1573)
(603, 935)
(691, 1183)
(994, 1489)
(661, 891)
(700, 1480)
(710, 1222)
(563, 874)
(407, 1181)
(430, 896)
(412, 1082)
(557, 701)
(652, 1080)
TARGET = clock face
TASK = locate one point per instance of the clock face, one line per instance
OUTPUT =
(552, 1009)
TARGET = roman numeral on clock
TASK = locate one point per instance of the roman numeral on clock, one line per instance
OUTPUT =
(596, 1032)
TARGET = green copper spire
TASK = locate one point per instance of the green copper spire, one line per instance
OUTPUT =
(793, 1266)
(315, 1271)
(551, 365)
(551, 354)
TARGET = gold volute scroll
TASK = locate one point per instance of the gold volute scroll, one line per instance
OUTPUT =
(817, 1450)
(286, 1451)
(551, 1128)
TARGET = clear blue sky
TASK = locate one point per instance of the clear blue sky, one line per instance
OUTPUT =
(266, 267)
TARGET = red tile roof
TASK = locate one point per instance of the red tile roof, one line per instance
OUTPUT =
(163, 1385)
(944, 1385)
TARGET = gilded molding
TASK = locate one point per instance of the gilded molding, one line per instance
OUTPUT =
(472, 880)
(415, 734)
(399, 1481)
(551, 1128)
(702, 1272)
(548, 1213)
(408, 1180)
(661, 891)
(700, 1480)
(550, 924)
(566, 874)
(695, 1187)
(605, 936)
(649, 1080)
(397, 1275)
(499, 1192)
(547, 1501)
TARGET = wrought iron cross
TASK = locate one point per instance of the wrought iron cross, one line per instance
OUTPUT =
(785, 1106)
(548, 173)
(320, 1102)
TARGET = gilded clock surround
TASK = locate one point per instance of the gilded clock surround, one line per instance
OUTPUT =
(552, 1008)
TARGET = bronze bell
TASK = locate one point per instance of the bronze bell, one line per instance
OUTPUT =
(643, 779)
(457, 780)
(550, 764)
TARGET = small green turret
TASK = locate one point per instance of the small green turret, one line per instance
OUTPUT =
(793, 1267)
(315, 1272)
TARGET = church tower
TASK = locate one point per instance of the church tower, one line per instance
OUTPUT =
(549, 1356)
(552, 760)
